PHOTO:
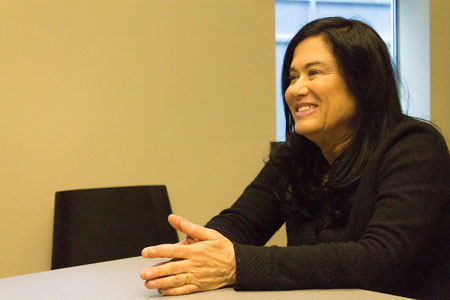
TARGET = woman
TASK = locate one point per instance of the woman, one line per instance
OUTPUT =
(363, 189)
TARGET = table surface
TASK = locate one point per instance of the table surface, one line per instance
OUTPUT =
(119, 279)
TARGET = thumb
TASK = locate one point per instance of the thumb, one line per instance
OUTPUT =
(194, 231)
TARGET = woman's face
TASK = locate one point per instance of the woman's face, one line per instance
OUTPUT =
(319, 100)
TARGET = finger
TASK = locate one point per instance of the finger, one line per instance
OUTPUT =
(184, 242)
(187, 241)
(194, 231)
(146, 271)
(168, 269)
(167, 251)
(182, 290)
(175, 221)
(161, 263)
(167, 282)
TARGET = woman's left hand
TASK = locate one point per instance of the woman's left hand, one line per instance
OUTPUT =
(203, 261)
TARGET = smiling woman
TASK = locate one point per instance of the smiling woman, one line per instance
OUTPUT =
(363, 189)
(318, 98)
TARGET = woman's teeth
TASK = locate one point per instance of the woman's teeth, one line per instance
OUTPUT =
(303, 108)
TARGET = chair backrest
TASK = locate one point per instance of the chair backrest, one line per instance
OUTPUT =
(94, 225)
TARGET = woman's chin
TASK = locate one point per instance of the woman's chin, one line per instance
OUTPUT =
(304, 129)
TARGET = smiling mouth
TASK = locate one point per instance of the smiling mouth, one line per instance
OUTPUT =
(305, 108)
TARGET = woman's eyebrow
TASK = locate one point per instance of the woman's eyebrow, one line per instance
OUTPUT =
(310, 64)
(315, 63)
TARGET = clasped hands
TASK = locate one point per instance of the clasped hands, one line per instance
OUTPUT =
(203, 261)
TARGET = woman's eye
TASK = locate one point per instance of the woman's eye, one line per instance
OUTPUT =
(313, 72)
(292, 78)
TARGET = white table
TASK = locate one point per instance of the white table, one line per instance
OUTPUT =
(119, 279)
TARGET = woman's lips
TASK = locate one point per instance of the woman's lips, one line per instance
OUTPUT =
(305, 109)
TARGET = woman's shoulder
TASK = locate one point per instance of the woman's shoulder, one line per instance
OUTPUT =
(408, 123)
(414, 143)
(410, 132)
(412, 147)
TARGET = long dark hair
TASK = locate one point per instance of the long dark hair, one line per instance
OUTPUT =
(365, 65)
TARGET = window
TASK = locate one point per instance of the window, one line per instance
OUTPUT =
(291, 15)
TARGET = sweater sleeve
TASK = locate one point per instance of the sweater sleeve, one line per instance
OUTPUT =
(402, 194)
(255, 216)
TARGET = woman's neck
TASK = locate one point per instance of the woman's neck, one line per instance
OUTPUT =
(332, 148)
(332, 152)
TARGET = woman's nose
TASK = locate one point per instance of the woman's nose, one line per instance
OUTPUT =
(299, 88)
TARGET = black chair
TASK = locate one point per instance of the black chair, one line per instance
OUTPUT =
(95, 225)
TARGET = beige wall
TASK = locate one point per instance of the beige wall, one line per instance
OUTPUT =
(112, 93)
(440, 65)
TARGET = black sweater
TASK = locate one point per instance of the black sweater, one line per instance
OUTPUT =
(397, 239)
